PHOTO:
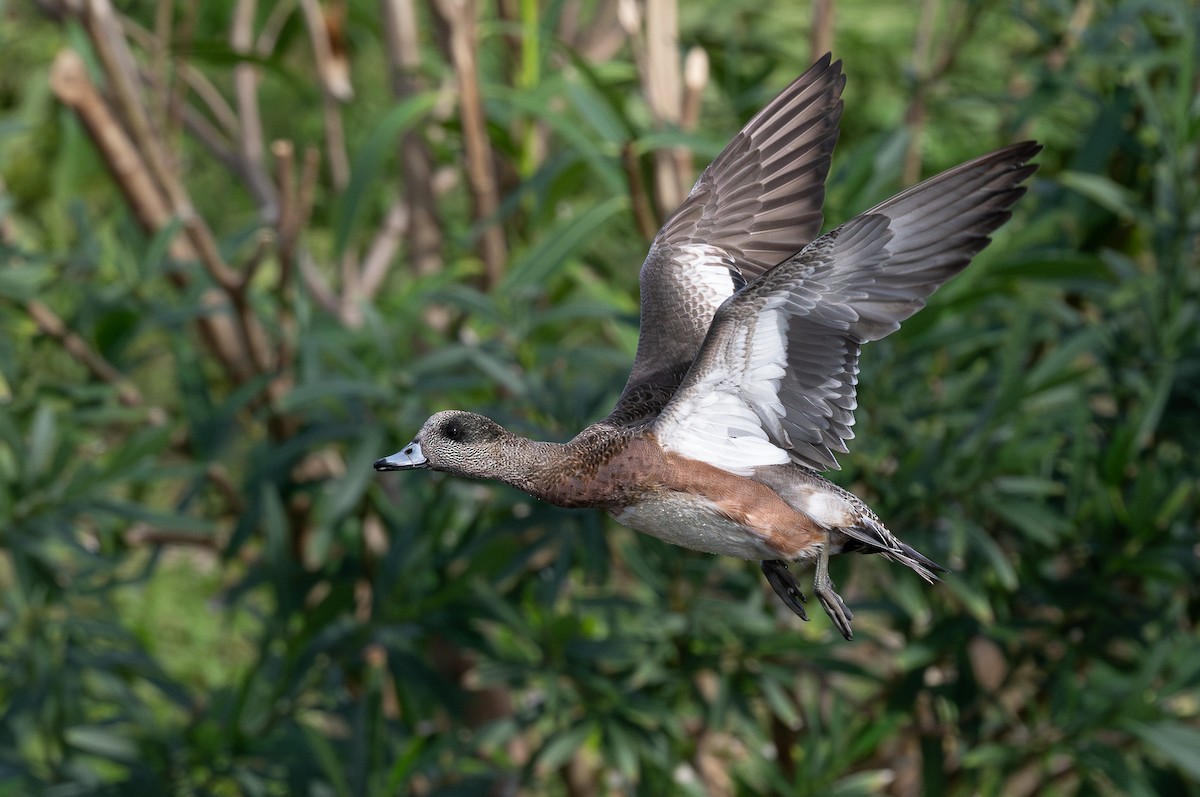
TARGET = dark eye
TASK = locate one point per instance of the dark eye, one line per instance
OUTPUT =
(452, 431)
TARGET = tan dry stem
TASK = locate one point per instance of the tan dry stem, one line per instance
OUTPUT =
(820, 37)
(424, 228)
(70, 83)
(84, 354)
(250, 129)
(332, 94)
(461, 18)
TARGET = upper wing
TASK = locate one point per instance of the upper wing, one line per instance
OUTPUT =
(775, 379)
(757, 203)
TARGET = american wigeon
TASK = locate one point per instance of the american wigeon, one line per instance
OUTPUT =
(744, 381)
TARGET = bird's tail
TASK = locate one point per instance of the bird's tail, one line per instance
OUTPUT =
(875, 538)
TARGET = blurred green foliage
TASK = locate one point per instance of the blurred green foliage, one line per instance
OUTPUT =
(263, 631)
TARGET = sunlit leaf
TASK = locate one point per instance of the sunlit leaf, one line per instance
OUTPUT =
(1174, 741)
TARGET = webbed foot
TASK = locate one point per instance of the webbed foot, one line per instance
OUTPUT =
(785, 585)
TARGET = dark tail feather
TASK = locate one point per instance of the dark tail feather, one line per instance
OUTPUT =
(925, 567)
(875, 538)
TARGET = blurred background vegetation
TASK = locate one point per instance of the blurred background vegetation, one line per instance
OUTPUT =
(246, 248)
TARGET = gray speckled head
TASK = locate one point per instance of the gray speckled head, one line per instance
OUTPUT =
(454, 441)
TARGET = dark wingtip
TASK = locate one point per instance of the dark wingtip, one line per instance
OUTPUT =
(1020, 153)
(834, 68)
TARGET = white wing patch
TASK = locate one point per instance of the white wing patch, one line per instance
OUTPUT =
(724, 418)
(723, 431)
(767, 355)
(713, 269)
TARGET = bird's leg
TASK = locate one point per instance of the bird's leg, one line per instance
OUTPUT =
(835, 607)
(785, 585)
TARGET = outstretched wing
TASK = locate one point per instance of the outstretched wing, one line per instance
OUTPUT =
(756, 204)
(775, 379)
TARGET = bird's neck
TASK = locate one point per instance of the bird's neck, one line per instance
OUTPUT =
(538, 461)
(571, 474)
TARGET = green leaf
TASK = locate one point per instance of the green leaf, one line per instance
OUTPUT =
(178, 522)
(314, 394)
(975, 600)
(601, 161)
(780, 701)
(1174, 741)
(597, 111)
(705, 148)
(330, 761)
(621, 747)
(1000, 563)
(565, 240)
(404, 763)
(1104, 192)
(1027, 485)
(368, 163)
(1037, 521)
(43, 439)
(155, 255)
(103, 740)
(23, 283)
(563, 745)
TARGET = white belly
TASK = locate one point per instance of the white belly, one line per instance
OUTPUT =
(692, 522)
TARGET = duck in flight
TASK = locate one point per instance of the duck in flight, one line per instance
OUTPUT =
(744, 381)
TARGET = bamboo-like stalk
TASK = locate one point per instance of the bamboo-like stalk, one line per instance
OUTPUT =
(192, 79)
(160, 67)
(601, 37)
(461, 19)
(384, 246)
(423, 232)
(695, 78)
(663, 82)
(328, 48)
(317, 286)
(1081, 18)
(335, 89)
(914, 117)
(295, 209)
(933, 57)
(250, 130)
(820, 38)
(643, 213)
(104, 32)
(672, 92)
(71, 85)
(180, 46)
